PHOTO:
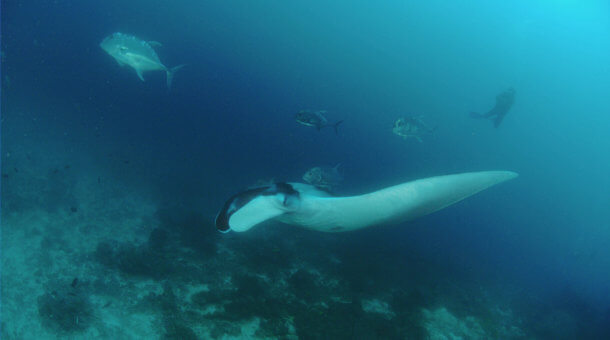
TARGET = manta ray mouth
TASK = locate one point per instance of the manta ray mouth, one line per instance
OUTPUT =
(248, 208)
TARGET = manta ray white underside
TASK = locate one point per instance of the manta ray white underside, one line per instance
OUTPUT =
(304, 205)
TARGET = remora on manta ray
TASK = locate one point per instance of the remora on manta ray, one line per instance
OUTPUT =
(304, 205)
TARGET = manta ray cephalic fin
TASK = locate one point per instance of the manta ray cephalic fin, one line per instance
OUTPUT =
(139, 73)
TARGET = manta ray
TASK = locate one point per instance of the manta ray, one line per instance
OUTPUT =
(306, 206)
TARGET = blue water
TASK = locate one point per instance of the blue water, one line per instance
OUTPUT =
(228, 121)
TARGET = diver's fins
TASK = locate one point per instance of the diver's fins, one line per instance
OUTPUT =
(498, 120)
(170, 74)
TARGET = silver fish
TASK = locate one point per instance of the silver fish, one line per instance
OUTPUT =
(138, 54)
(411, 127)
(323, 177)
(315, 119)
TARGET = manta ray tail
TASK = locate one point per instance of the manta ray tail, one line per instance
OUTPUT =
(170, 75)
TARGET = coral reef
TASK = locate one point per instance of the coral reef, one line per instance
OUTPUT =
(67, 308)
(441, 324)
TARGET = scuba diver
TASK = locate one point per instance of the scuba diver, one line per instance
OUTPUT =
(504, 101)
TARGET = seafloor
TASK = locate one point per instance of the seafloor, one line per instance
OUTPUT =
(86, 255)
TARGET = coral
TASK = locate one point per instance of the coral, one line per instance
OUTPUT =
(134, 260)
(175, 320)
(250, 286)
(441, 325)
(104, 253)
(158, 238)
(304, 285)
(377, 306)
(192, 229)
(338, 321)
(139, 261)
(250, 299)
(179, 332)
(66, 308)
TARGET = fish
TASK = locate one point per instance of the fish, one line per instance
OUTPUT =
(138, 54)
(306, 206)
(323, 177)
(411, 127)
(315, 119)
